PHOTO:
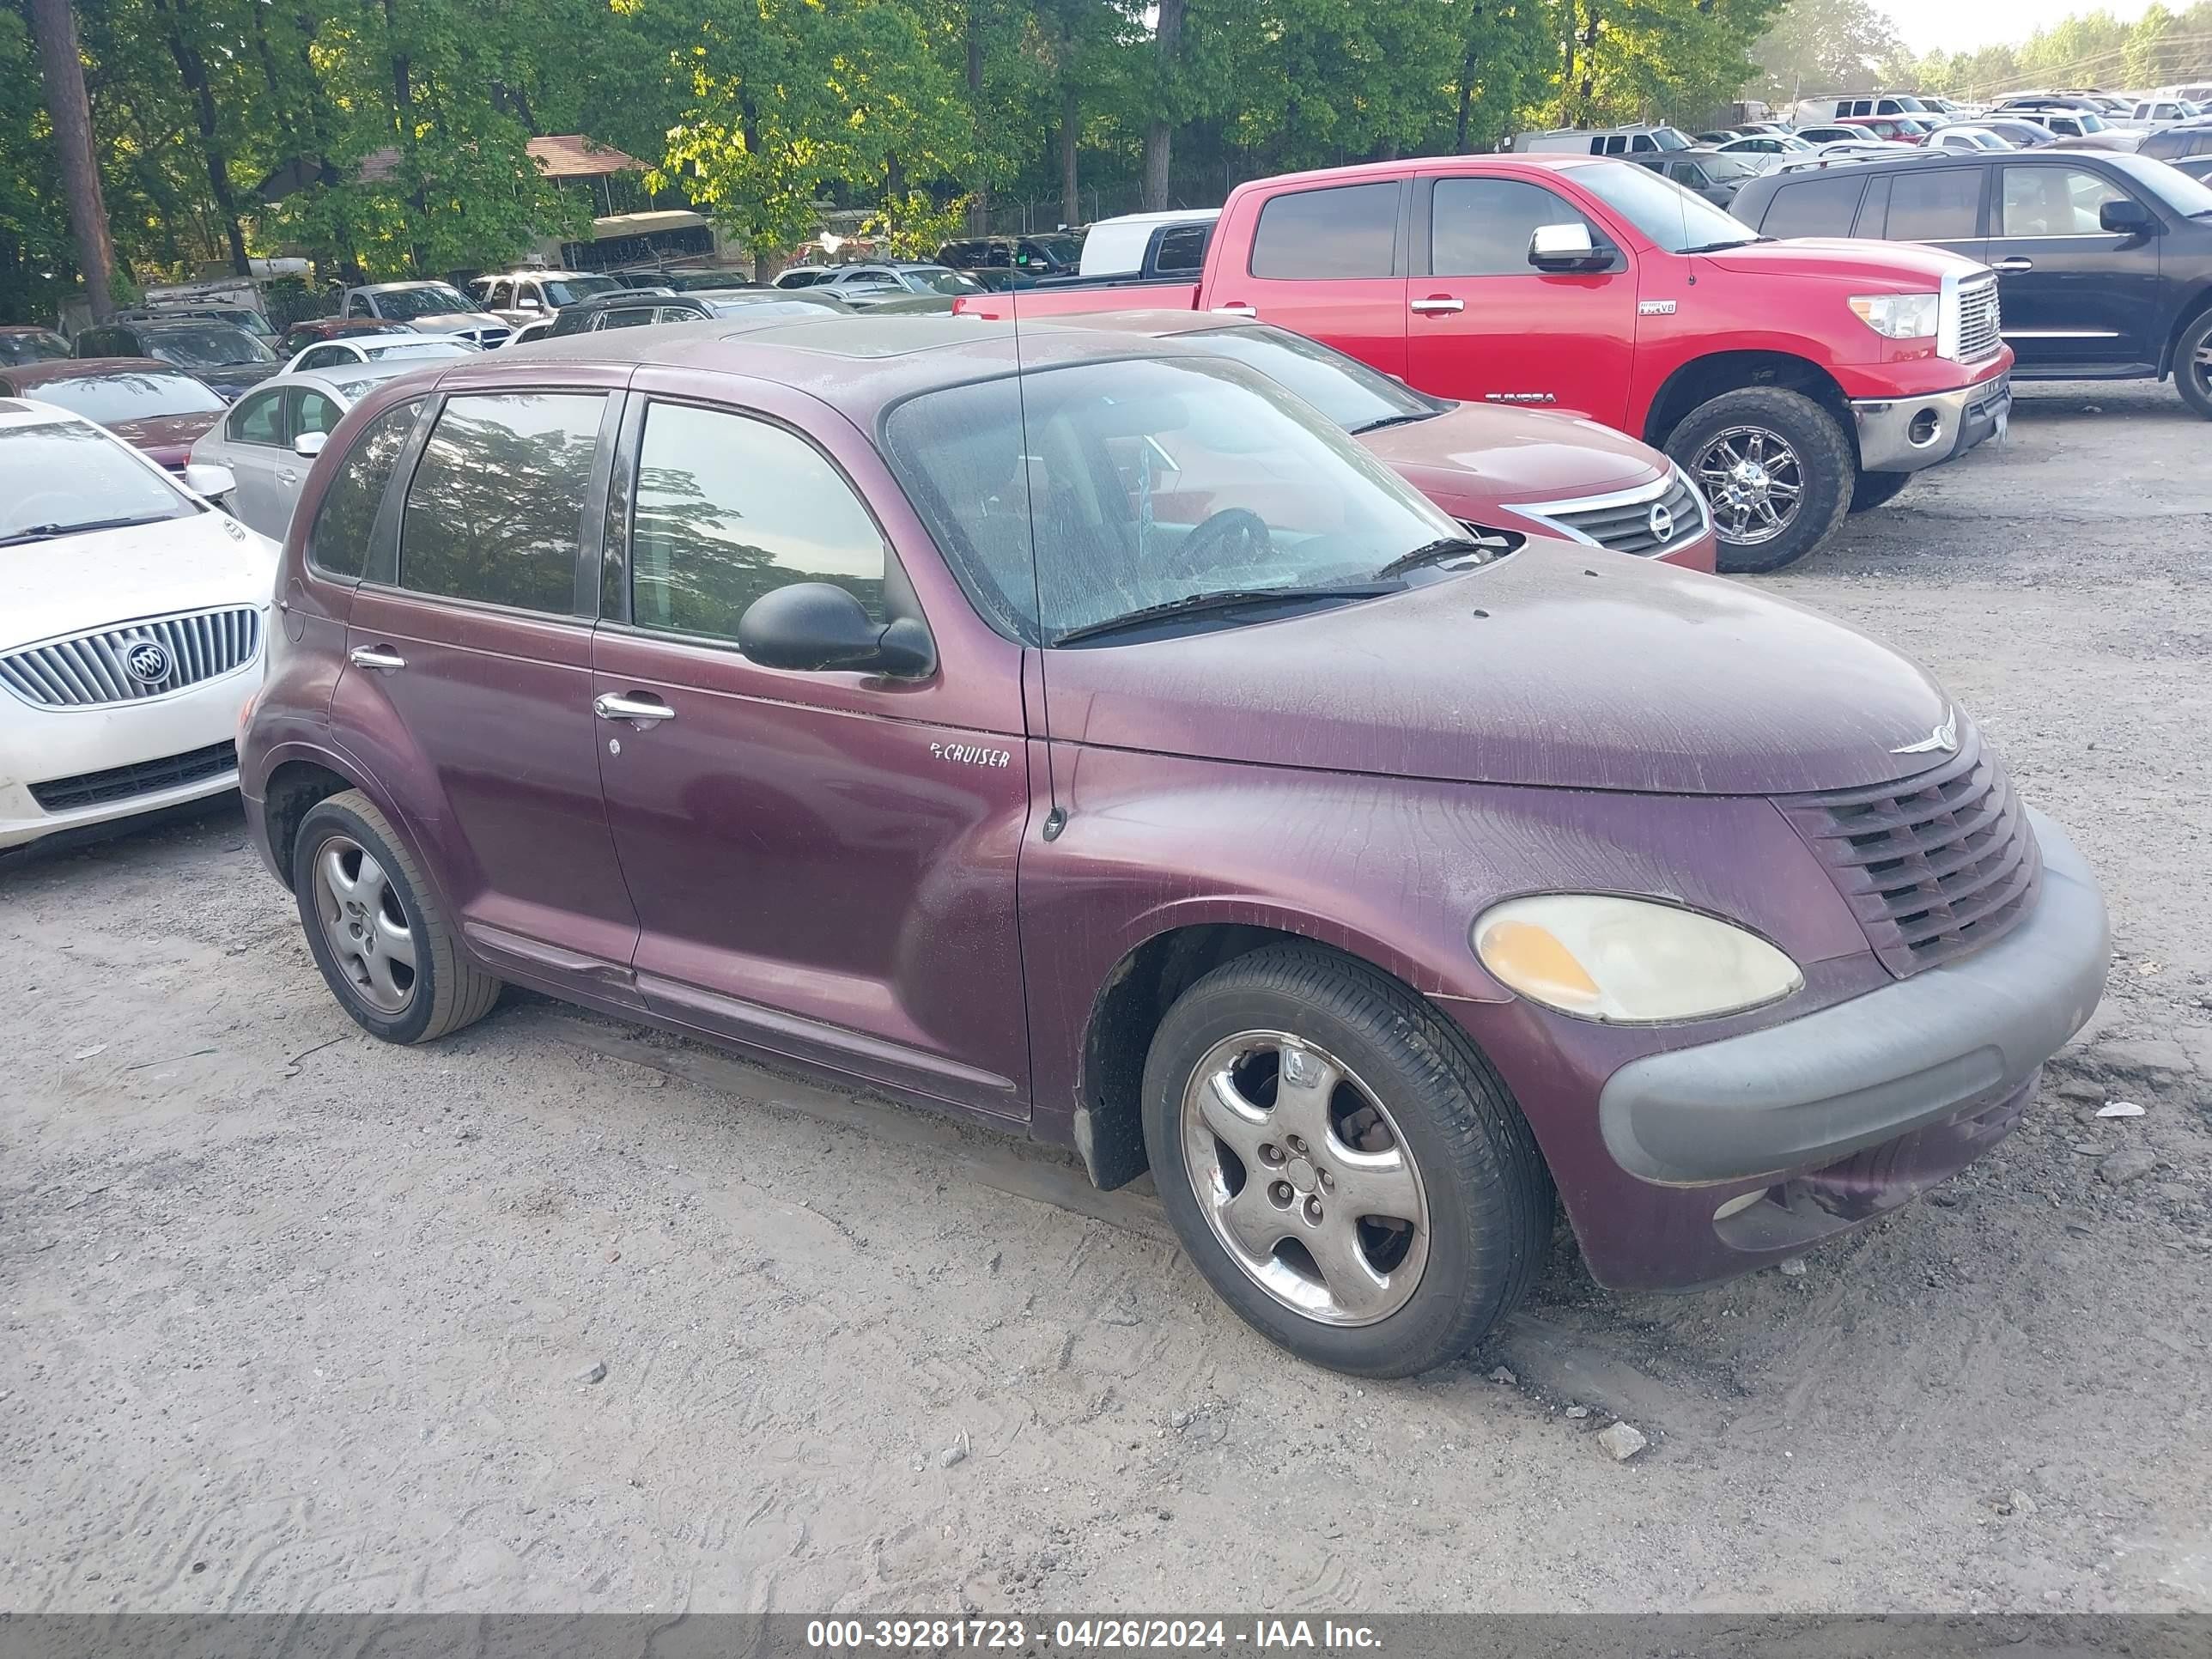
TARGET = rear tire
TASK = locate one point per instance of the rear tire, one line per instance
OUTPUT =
(1877, 490)
(1308, 1236)
(1739, 446)
(376, 929)
(2192, 365)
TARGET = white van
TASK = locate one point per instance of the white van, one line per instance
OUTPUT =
(1603, 141)
(1820, 112)
(1170, 245)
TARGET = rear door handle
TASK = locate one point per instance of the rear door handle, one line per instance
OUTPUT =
(2014, 264)
(640, 712)
(1236, 308)
(376, 656)
(1438, 305)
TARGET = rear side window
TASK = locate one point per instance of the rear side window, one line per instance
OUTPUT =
(1182, 248)
(313, 411)
(1943, 204)
(1813, 207)
(1319, 235)
(338, 544)
(729, 508)
(1483, 227)
(626, 317)
(496, 510)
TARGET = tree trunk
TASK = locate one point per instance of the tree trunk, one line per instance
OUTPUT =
(1159, 131)
(1071, 132)
(979, 201)
(1466, 100)
(62, 66)
(403, 113)
(191, 69)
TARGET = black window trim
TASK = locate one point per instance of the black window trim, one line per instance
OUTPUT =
(384, 526)
(1398, 268)
(1421, 224)
(383, 571)
(616, 522)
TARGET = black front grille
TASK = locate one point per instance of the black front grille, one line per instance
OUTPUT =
(1933, 866)
(146, 778)
(1626, 526)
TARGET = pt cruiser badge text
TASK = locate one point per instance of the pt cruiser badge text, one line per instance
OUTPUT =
(969, 753)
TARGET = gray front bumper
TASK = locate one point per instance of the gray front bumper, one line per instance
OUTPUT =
(1815, 1090)
(1959, 419)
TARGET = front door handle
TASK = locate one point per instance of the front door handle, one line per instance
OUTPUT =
(1236, 308)
(286, 476)
(1438, 305)
(2014, 264)
(640, 712)
(381, 657)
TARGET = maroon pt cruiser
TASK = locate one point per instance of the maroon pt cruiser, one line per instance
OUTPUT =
(1083, 734)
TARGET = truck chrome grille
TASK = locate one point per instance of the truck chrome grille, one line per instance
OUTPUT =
(1935, 866)
(146, 778)
(1627, 522)
(1979, 333)
(135, 661)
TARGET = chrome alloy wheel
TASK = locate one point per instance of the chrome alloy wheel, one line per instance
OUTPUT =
(367, 931)
(2200, 369)
(1305, 1178)
(1754, 482)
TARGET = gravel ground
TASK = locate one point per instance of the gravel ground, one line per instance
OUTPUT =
(565, 1315)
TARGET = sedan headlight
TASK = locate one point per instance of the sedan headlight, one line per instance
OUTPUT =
(1899, 316)
(1628, 961)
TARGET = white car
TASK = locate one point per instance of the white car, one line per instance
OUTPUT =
(271, 436)
(1766, 143)
(375, 347)
(132, 618)
(1968, 138)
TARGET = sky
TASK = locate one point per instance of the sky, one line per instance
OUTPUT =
(1962, 25)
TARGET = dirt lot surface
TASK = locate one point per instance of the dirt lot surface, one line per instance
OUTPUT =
(294, 1320)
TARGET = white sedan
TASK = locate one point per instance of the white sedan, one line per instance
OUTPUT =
(376, 349)
(271, 436)
(133, 614)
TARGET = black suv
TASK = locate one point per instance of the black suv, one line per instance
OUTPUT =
(2104, 260)
(224, 355)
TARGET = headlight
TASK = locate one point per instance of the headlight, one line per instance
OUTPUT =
(1628, 961)
(1899, 316)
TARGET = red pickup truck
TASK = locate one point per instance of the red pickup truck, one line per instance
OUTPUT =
(1794, 380)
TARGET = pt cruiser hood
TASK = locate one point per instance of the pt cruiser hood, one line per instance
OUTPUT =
(1560, 666)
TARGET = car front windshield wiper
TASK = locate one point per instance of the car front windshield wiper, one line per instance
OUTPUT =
(1447, 547)
(1717, 247)
(46, 532)
(1377, 424)
(1192, 605)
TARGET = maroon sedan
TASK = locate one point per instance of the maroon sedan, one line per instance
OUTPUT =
(1081, 733)
(151, 405)
(1523, 469)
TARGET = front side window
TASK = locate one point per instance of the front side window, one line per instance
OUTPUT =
(1671, 217)
(2054, 201)
(498, 295)
(63, 477)
(625, 317)
(1182, 249)
(1942, 205)
(324, 356)
(1069, 497)
(1319, 235)
(728, 508)
(1483, 227)
(496, 510)
(258, 420)
(313, 411)
(345, 521)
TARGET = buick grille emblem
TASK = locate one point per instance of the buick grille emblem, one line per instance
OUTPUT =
(148, 663)
(1944, 740)
(1662, 522)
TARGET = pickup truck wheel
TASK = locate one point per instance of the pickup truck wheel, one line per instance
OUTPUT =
(376, 932)
(1341, 1163)
(2192, 365)
(1776, 468)
(1877, 490)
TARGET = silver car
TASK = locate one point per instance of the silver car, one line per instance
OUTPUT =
(271, 436)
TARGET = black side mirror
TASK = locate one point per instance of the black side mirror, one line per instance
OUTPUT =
(2126, 218)
(815, 627)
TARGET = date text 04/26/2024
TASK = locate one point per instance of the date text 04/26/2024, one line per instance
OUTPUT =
(1105, 1635)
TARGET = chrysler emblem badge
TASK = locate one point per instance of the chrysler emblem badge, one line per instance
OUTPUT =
(1662, 522)
(1944, 740)
(148, 663)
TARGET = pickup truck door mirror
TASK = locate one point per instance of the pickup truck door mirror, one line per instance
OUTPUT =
(1564, 247)
(813, 628)
(2126, 218)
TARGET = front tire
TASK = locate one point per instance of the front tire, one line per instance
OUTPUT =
(2192, 365)
(376, 929)
(1341, 1163)
(1776, 471)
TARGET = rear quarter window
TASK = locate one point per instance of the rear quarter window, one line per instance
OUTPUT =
(1813, 207)
(345, 522)
(1322, 235)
